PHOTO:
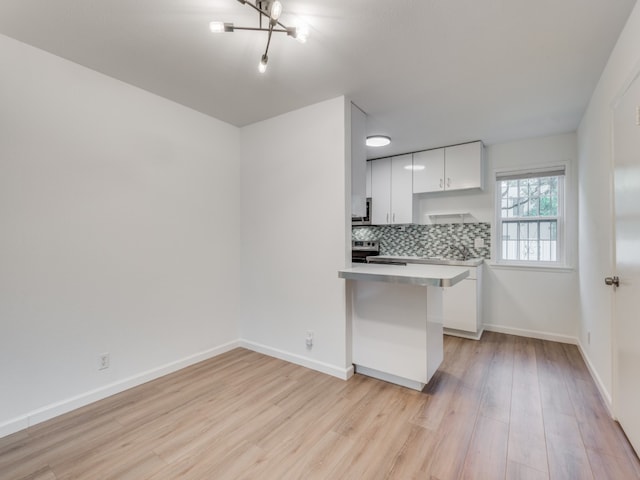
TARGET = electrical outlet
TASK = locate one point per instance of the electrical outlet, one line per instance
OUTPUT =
(478, 242)
(103, 361)
(309, 339)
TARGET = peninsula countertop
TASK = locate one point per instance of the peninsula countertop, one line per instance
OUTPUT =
(472, 262)
(412, 274)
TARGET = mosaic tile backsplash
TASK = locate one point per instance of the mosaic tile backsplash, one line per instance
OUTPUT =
(427, 240)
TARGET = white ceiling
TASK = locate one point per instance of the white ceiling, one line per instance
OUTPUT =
(428, 72)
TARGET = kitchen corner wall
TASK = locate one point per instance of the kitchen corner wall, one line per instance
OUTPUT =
(427, 240)
(526, 301)
(295, 236)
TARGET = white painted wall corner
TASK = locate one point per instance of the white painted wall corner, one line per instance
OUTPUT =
(333, 370)
(53, 410)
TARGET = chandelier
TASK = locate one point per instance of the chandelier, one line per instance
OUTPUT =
(271, 9)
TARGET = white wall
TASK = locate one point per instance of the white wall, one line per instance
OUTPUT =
(535, 302)
(295, 232)
(596, 221)
(120, 231)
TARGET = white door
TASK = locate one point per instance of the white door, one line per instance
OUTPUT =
(626, 144)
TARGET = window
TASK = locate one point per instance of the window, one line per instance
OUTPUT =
(530, 211)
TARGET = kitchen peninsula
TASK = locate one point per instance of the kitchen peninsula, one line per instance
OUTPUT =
(396, 319)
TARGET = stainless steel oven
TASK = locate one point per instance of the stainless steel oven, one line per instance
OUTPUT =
(361, 249)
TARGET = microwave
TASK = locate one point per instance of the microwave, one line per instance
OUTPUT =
(366, 220)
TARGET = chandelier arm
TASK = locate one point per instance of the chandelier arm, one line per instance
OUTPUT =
(256, 29)
(261, 12)
(281, 24)
(266, 50)
(265, 8)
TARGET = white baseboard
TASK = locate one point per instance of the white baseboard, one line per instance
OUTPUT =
(334, 371)
(606, 396)
(463, 334)
(520, 332)
(389, 377)
(64, 406)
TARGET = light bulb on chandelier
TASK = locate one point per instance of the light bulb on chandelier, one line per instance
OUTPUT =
(262, 66)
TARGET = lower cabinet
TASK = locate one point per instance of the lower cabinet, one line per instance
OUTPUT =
(461, 307)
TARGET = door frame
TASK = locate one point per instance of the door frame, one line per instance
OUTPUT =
(626, 85)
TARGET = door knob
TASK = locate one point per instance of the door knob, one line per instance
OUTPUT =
(612, 281)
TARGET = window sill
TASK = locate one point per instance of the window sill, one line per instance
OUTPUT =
(531, 268)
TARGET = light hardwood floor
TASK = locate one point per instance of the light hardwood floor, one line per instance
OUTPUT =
(503, 407)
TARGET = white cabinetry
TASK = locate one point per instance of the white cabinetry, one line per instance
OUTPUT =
(368, 179)
(463, 166)
(396, 331)
(358, 161)
(392, 190)
(380, 191)
(461, 306)
(451, 168)
(428, 171)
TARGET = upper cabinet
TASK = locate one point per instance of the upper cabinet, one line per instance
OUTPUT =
(392, 190)
(358, 162)
(428, 171)
(368, 179)
(463, 166)
(459, 167)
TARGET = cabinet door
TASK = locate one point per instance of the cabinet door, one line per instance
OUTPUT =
(463, 166)
(402, 189)
(368, 180)
(381, 191)
(460, 307)
(358, 161)
(428, 171)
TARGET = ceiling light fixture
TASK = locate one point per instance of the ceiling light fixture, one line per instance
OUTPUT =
(378, 141)
(271, 9)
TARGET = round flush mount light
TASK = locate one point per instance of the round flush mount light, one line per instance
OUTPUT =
(378, 141)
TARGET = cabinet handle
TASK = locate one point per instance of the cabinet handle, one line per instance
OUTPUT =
(441, 182)
(448, 182)
(394, 218)
(387, 217)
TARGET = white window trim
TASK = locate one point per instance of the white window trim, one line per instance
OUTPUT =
(562, 263)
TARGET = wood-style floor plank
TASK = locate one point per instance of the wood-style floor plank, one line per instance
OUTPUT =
(487, 455)
(503, 407)
(527, 443)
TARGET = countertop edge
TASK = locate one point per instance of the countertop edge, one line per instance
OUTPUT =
(419, 280)
(475, 262)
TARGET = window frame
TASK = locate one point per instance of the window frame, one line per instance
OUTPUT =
(560, 170)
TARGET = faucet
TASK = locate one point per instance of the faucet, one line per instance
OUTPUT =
(461, 249)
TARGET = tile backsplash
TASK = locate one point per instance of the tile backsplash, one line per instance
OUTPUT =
(427, 240)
